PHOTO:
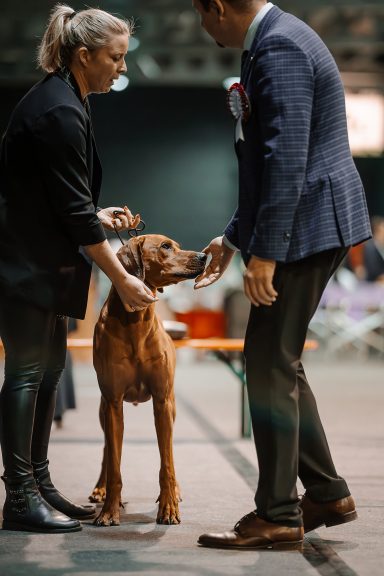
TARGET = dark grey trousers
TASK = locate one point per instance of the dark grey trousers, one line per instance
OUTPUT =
(289, 437)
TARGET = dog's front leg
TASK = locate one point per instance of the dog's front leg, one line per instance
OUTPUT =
(114, 429)
(99, 491)
(168, 512)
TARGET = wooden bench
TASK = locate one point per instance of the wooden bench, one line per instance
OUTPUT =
(221, 348)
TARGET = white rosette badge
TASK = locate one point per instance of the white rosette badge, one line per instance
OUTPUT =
(240, 107)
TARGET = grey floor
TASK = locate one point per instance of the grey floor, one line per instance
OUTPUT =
(217, 473)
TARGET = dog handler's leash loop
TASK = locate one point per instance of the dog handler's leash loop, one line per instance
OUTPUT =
(133, 232)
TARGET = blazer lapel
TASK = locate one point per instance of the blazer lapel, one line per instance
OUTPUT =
(263, 28)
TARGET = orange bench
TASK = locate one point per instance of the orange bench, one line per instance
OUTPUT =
(221, 347)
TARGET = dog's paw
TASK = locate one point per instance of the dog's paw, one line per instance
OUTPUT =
(178, 493)
(98, 495)
(106, 518)
(168, 512)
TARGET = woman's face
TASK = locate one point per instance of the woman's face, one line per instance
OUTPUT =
(104, 65)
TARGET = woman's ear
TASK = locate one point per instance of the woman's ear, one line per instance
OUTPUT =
(83, 55)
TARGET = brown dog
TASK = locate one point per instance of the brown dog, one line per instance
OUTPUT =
(134, 359)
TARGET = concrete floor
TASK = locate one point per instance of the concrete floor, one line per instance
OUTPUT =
(217, 473)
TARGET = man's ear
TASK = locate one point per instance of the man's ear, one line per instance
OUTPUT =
(218, 7)
(131, 257)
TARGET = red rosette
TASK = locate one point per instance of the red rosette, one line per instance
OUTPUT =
(238, 102)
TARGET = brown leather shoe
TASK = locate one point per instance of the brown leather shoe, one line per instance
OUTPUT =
(316, 514)
(253, 533)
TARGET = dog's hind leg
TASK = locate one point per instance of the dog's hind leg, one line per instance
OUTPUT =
(114, 429)
(99, 491)
(168, 513)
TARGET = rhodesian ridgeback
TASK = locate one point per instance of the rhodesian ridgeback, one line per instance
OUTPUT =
(134, 359)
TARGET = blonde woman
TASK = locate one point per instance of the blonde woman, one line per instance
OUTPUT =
(50, 231)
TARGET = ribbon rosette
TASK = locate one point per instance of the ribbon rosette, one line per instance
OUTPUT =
(239, 106)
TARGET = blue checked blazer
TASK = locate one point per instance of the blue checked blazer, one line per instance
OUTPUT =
(299, 190)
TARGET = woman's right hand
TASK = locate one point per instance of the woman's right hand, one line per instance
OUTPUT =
(134, 294)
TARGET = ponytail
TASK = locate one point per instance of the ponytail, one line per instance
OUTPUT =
(67, 29)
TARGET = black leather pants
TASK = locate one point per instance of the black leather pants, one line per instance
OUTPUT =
(35, 347)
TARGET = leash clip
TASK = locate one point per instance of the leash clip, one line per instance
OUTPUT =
(132, 232)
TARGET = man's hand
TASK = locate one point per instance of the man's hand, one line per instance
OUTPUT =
(122, 221)
(258, 279)
(221, 255)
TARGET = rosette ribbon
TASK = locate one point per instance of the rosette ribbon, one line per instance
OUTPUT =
(239, 106)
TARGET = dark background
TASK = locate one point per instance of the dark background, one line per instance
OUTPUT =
(166, 142)
(168, 153)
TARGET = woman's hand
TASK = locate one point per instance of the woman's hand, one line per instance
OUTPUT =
(134, 294)
(221, 255)
(122, 221)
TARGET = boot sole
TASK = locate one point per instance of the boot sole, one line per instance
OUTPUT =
(335, 521)
(28, 528)
(86, 517)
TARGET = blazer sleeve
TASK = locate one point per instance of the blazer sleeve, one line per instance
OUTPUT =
(232, 230)
(61, 136)
(283, 84)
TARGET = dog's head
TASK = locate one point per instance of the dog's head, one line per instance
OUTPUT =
(159, 261)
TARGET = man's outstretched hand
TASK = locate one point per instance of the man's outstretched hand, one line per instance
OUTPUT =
(221, 255)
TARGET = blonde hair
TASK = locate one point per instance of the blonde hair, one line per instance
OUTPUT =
(67, 29)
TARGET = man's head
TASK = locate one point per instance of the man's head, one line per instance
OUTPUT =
(227, 21)
(237, 4)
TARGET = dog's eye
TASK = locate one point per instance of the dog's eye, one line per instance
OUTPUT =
(166, 246)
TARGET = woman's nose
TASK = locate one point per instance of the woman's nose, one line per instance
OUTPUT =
(123, 68)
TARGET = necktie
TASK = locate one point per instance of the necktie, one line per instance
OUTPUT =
(244, 56)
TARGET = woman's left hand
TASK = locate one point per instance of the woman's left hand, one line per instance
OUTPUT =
(122, 221)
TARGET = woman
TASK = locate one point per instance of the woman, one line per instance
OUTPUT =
(49, 235)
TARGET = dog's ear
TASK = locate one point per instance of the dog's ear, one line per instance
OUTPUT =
(131, 257)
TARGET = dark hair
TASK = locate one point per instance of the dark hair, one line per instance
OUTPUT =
(238, 4)
(66, 29)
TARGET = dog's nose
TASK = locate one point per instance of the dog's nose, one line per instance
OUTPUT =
(202, 256)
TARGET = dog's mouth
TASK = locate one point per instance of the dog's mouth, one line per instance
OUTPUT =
(188, 275)
(191, 272)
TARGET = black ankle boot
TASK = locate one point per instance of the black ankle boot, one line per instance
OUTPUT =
(25, 509)
(55, 498)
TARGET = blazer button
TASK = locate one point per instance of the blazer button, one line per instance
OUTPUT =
(286, 236)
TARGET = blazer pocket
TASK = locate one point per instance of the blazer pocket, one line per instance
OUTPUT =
(347, 194)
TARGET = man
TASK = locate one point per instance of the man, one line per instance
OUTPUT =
(301, 205)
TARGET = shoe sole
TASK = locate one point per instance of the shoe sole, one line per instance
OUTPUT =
(87, 517)
(335, 521)
(296, 545)
(27, 528)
